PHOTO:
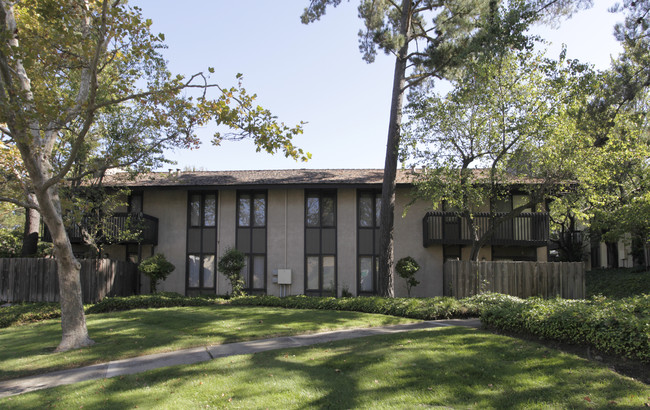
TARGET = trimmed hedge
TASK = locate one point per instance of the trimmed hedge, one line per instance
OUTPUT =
(618, 327)
(21, 313)
(417, 308)
(157, 300)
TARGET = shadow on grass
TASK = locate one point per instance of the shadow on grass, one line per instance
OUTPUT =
(27, 350)
(442, 367)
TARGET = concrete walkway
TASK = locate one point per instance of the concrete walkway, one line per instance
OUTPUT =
(202, 354)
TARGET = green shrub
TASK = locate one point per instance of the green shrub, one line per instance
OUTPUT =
(157, 268)
(416, 308)
(11, 242)
(231, 264)
(18, 314)
(157, 300)
(617, 283)
(619, 327)
(406, 269)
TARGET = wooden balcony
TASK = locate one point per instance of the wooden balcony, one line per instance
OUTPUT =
(121, 228)
(446, 228)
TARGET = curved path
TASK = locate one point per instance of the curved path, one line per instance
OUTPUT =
(202, 354)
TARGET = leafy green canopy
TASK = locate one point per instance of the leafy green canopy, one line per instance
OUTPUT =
(433, 40)
(505, 125)
(84, 88)
(101, 95)
(613, 170)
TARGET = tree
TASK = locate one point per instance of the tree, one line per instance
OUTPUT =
(63, 65)
(156, 268)
(613, 178)
(406, 268)
(506, 124)
(231, 264)
(458, 31)
(11, 174)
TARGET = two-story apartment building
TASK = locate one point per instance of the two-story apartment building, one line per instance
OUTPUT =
(313, 232)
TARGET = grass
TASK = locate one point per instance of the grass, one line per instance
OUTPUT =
(617, 283)
(28, 349)
(452, 367)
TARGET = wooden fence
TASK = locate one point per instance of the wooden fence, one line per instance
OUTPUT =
(522, 279)
(36, 279)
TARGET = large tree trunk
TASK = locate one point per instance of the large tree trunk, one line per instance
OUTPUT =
(36, 144)
(73, 321)
(387, 210)
(30, 237)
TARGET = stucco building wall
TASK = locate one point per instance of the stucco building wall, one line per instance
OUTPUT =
(170, 207)
(285, 239)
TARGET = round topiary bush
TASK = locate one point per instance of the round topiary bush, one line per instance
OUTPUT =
(406, 269)
(231, 264)
(157, 268)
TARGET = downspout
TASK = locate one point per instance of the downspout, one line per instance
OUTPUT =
(283, 291)
(216, 251)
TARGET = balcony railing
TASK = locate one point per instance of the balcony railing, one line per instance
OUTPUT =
(446, 228)
(122, 228)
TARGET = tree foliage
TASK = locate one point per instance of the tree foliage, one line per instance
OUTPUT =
(433, 40)
(231, 264)
(406, 268)
(614, 167)
(156, 268)
(84, 88)
(504, 126)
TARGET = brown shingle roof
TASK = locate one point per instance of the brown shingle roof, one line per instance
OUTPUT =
(283, 177)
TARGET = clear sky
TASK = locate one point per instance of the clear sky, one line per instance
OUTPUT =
(313, 73)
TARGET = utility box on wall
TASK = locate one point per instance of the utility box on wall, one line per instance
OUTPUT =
(284, 276)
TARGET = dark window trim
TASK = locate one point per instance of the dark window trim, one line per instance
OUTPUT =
(131, 195)
(516, 258)
(251, 226)
(321, 193)
(374, 193)
(445, 253)
(202, 253)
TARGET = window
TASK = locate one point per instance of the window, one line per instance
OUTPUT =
(514, 253)
(251, 237)
(201, 242)
(135, 202)
(368, 206)
(452, 223)
(133, 253)
(320, 243)
(452, 253)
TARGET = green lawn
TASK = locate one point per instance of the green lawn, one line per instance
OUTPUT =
(454, 367)
(29, 349)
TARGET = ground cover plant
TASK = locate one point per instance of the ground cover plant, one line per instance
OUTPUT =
(29, 349)
(617, 283)
(21, 313)
(450, 367)
(620, 327)
(416, 308)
